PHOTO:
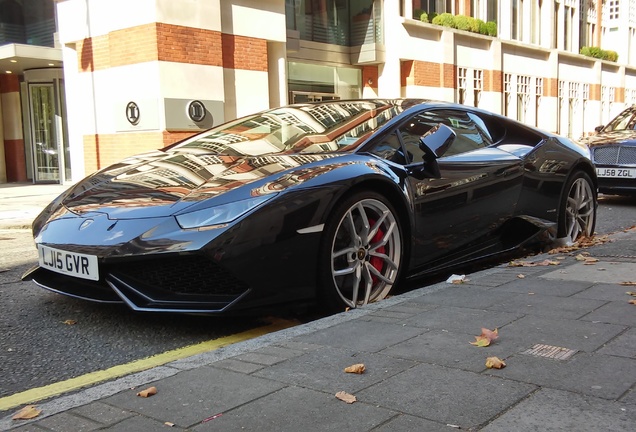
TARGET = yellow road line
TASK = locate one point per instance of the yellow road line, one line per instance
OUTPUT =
(36, 394)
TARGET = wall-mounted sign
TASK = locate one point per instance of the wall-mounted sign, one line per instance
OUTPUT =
(196, 111)
(132, 113)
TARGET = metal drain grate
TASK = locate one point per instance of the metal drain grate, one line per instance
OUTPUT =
(550, 351)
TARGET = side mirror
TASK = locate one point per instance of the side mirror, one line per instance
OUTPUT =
(437, 141)
(598, 128)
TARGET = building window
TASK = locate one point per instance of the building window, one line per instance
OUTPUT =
(485, 10)
(478, 85)
(523, 97)
(461, 84)
(507, 93)
(517, 20)
(437, 6)
(337, 22)
(613, 9)
(538, 93)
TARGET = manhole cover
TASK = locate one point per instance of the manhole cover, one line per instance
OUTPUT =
(550, 351)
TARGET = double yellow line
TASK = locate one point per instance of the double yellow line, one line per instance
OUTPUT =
(41, 393)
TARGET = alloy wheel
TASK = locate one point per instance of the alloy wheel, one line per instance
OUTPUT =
(366, 253)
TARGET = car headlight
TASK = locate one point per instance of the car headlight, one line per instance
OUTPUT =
(213, 216)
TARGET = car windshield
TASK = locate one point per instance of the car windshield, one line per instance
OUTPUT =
(337, 126)
(624, 121)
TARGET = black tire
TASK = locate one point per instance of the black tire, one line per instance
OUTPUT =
(577, 209)
(358, 254)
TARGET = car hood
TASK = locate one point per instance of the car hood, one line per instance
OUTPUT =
(608, 138)
(160, 184)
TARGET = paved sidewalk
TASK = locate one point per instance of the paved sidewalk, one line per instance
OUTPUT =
(422, 374)
(20, 203)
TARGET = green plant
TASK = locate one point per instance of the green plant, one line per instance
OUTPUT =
(424, 17)
(445, 20)
(483, 29)
(491, 28)
(612, 56)
(599, 53)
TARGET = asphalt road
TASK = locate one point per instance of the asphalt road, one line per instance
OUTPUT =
(47, 338)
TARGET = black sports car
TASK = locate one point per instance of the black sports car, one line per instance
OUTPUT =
(614, 154)
(334, 201)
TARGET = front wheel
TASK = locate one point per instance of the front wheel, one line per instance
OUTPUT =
(577, 212)
(361, 254)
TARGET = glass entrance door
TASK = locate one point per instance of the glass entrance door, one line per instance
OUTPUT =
(46, 148)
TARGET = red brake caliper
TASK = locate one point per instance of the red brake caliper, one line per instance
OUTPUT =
(376, 262)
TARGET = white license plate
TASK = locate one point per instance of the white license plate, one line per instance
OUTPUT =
(68, 263)
(616, 172)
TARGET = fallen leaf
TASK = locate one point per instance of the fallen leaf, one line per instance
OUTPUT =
(70, 322)
(495, 363)
(148, 392)
(346, 397)
(481, 341)
(520, 276)
(632, 302)
(486, 337)
(631, 293)
(579, 257)
(628, 283)
(26, 413)
(355, 369)
(518, 263)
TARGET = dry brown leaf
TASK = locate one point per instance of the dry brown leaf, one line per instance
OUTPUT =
(70, 322)
(148, 392)
(486, 337)
(631, 293)
(346, 397)
(518, 263)
(357, 368)
(26, 413)
(520, 276)
(628, 283)
(495, 363)
(579, 257)
(582, 242)
(632, 302)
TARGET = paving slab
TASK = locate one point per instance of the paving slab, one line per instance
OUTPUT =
(616, 312)
(607, 292)
(465, 320)
(189, 397)
(408, 423)
(299, 409)
(554, 410)
(447, 348)
(359, 335)
(323, 370)
(447, 395)
(542, 286)
(623, 345)
(603, 272)
(61, 422)
(465, 295)
(548, 306)
(598, 375)
(572, 334)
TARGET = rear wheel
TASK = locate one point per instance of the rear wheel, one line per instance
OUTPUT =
(577, 213)
(361, 254)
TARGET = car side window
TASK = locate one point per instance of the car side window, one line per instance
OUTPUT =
(390, 148)
(469, 135)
